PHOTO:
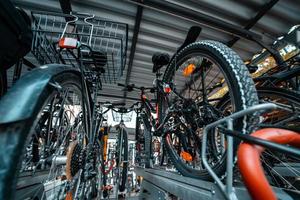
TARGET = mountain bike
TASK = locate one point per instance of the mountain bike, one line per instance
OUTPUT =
(49, 121)
(182, 116)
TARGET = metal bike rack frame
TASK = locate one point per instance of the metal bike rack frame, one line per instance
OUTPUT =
(159, 184)
(228, 190)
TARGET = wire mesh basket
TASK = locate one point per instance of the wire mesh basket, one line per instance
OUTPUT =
(117, 116)
(107, 40)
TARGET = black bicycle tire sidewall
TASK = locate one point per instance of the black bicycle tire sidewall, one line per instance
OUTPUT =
(122, 184)
(3, 82)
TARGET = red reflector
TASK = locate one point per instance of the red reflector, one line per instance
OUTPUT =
(167, 88)
(68, 43)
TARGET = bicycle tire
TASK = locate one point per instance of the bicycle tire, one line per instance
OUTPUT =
(3, 82)
(124, 140)
(242, 89)
(103, 174)
(139, 141)
(290, 96)
(14, 135)
(283, 119)
(147, 142)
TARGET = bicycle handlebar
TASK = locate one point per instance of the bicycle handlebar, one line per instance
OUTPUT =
(112, 104)
(131, 87)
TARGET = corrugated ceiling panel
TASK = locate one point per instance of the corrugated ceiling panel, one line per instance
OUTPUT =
(163, 32)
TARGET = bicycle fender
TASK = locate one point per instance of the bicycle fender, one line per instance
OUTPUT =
(19, 102)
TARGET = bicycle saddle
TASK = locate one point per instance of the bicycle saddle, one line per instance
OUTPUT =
(159, 60)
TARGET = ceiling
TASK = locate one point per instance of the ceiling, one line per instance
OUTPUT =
(156, 25)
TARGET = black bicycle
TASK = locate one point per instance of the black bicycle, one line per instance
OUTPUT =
(49, 119)
(120, 159)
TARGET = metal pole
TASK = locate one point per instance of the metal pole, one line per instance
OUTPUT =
(229, 164)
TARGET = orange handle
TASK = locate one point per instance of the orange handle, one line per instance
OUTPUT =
(250, 165)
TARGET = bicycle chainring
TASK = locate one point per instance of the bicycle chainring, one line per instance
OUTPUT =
(75, 159)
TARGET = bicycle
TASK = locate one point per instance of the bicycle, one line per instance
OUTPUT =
(181, 117)
(121, 154)
(48, 121)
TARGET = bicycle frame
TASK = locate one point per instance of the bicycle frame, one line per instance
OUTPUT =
(281, 76)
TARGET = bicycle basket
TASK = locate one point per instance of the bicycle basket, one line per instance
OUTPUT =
(107, 40)
(117, 116)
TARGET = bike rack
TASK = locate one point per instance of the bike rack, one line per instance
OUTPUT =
(227, 189)
(159, 184)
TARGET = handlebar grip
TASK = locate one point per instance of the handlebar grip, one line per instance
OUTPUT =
(120, 84)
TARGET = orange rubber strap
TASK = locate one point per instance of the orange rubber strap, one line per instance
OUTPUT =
(250, 165)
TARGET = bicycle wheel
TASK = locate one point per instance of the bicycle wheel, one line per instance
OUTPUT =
(144, 142)
(139, 142)
(199, 71)
(122, 158)
(3, 82)
(44, 138)
(281, 169)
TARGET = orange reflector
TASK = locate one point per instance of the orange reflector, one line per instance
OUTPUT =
(68, 43)
(69, 196)
(186, 156)
(105, 138)
(188, 70)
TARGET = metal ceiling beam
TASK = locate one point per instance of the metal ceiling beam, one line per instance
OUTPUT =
(265, 8)
(198, 17)
(136, 30)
